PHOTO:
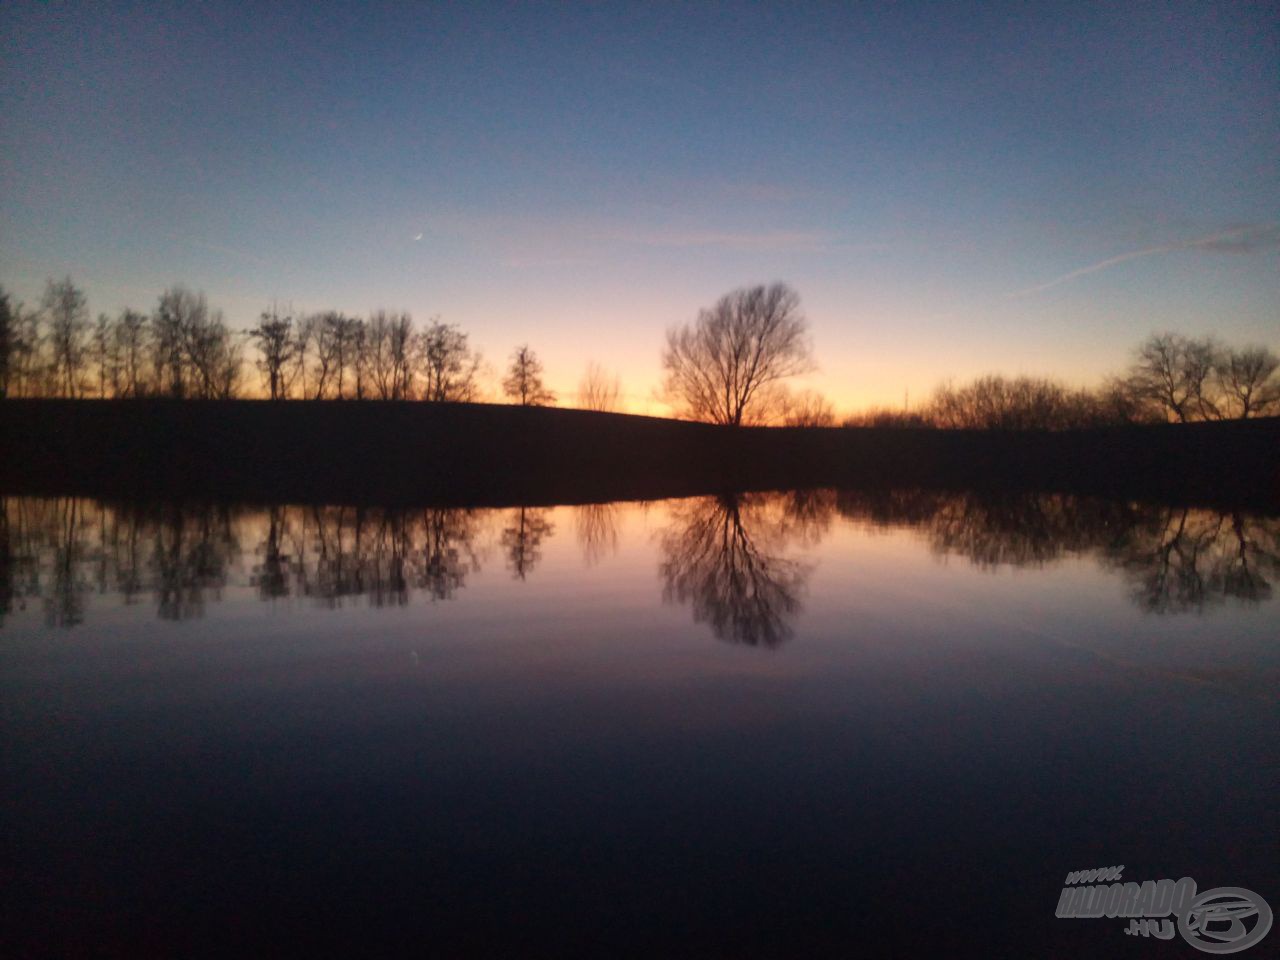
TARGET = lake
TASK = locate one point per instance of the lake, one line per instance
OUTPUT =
(807, 723)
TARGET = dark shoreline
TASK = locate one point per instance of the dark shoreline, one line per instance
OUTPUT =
(492, 455)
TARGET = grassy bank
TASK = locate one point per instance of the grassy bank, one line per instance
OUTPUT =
(388, 452)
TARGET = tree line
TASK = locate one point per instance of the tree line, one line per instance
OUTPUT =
(731, 366)
(1171, 379)
(183, 349)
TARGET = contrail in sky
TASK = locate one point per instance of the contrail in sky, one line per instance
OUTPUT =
(1237, 240)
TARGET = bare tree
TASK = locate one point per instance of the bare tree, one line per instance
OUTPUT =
(994, 402)
(807, 408)
(401, 346)
(324, 351)
(1247, 382)
(523, 382)
(29, 374)
(377, 354)
(8, 343)
(277, 346)
(599, 390)
(335, 346)
(130, 345)
(102, 346)
(449, 366)
(1173, 372)
(721, 368)
(389, 352)
(178, 313)
(212, 354)
(66, 308)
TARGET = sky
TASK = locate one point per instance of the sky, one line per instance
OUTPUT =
(953, 189)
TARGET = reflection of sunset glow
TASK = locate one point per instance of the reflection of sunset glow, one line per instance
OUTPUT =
(741, 562)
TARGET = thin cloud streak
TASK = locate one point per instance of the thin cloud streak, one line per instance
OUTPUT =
(1245, 239)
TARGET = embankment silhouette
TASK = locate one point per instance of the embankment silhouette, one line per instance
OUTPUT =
(412, 452)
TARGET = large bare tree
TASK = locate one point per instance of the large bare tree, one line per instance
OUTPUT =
(1247, 382)
(722, 367)
(1174, 372)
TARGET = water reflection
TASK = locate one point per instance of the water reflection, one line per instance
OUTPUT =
(522, 539)
(597, 528)
(724, 556)
(736, 560)
(333, 555)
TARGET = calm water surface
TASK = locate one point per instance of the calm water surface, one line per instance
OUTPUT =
(791, 724)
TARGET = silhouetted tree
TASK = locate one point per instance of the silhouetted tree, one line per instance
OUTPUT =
(67, 313)
(336, 343)
(886, 417)
(1247, 382)
(214, 356)
(30, 375)
(277, 346)
(102, 345)
(807, 408)
(360, 349)
(599, 390)
(177, 313)
(449, 368)
(1173, 372)
(721, 368)
(130, 338)
(8, 342)
(994, 402)
(523, 382)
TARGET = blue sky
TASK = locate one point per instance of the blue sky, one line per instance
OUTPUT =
(952, 188)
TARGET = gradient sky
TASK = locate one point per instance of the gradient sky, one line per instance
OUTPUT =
(952, 188)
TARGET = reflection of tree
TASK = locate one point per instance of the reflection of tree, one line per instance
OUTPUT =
(193, 547)
(807, 514)
(271, 577)
(1176, 559)
(597, 528)
(1181, 559)
(1243, 570)
(448, 551)
(65, 602)
(723, 556)
(333, 554)
(1028, 530)
(523, 538)
(6, 563)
